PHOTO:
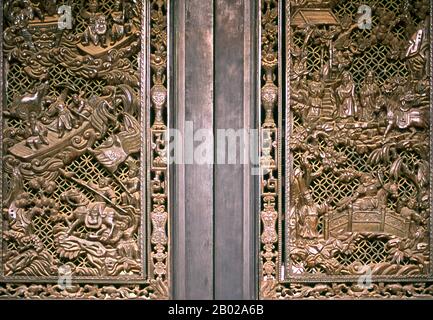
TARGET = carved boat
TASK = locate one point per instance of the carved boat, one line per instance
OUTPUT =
(55, 144)
(76, 140)
(98, 51)
(50, 22)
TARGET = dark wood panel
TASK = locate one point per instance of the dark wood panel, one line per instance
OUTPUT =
(195, 77)
(233, 215)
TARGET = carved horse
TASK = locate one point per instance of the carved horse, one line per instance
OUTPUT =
(402, 113)
(406, 119)
(94, 215)
(29, 102)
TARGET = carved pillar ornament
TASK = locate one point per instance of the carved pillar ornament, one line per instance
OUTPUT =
(84, 168)
(357, 150)
(270, 110)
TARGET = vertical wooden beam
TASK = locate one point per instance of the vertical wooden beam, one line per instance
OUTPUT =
(251, 181)
(193, 187)
(234, 217)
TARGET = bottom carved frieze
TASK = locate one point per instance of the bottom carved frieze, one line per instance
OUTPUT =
(154, 290)
(272, 289)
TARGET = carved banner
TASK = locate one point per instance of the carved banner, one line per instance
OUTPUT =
(357, 150)
(84, 196)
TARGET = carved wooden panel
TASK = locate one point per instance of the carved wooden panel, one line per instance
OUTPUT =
(84, 167)
(346, 149)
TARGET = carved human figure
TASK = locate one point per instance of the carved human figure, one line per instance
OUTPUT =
(341, 59)
(371, 194)
(104, 189)
(327, 38)
(346, 95)
(38, 132)
(369, 95)
(37, 8)
(408, 211)
(308, 216)
(405, 108)
(366, 193)
(96, 31)
(118, 27)
(316, 90)
(299, 65)
(64, 120)
(50, 7)
(97, 211)
(132, 183)
(32, 11)
(129, 14)
(417, 53)
(81, 108)
(79, 103)
(20, 19)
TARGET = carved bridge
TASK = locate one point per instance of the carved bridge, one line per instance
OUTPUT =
(381, 221)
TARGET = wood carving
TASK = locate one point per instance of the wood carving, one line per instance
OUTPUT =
(73, 165)
(357, 151)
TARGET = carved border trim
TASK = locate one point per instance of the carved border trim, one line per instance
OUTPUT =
(270, 148)
(2, 101)
(156, 125)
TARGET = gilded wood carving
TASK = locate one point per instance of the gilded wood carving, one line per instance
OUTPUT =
(83, 197)
(357, 148)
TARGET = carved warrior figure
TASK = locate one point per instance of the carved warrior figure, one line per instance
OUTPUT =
(96, 32)
(80, 106)
(371, 194)
(29, 9)
(129, 15)
(417, 52)
(99, 209)
(36, 8)
(131, 196)
(405, 108)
